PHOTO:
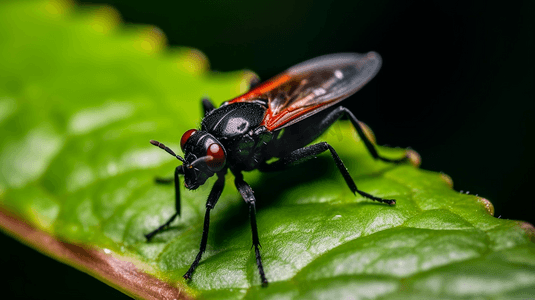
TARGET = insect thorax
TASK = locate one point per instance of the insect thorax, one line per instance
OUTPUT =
(237, 126)
(249, 150)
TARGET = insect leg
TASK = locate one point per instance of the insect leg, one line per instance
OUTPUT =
(215, 193)
(306, 131)
(247, 194)
(308, 152)
(207, 105)
(178, 171)
(371, 148)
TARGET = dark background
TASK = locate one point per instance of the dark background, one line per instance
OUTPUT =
(456, 85)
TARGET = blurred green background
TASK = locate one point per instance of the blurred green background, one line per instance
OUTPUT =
(457, 85)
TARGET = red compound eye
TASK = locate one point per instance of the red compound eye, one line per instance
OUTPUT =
(218, 154)
(185, 137)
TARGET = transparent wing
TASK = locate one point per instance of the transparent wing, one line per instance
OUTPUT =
(314, 85)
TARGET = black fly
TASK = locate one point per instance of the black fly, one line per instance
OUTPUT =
(243, 133)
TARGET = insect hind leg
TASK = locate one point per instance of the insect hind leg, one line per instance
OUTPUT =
(305, 153)
(307, 130)
(341, 111)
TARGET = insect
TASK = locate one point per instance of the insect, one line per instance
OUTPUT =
(247, 131)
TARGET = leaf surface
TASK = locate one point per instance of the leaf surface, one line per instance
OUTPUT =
(80, 97)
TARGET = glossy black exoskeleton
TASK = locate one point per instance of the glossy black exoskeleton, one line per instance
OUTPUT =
(245, 132)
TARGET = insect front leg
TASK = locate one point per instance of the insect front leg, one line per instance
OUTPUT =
(215, 193)
(305, 153)
(247, 194)
(178, 171)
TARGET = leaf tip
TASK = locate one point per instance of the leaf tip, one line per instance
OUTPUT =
(104, 18)
(487, 205)
(58, 7)
(151, 40)
(415, 159)
(528, 228)
(447, 179)
(192, 61)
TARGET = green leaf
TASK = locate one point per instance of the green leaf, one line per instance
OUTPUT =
(80, 97)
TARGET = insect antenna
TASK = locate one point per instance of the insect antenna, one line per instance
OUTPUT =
(168, 150)
(200, 160)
